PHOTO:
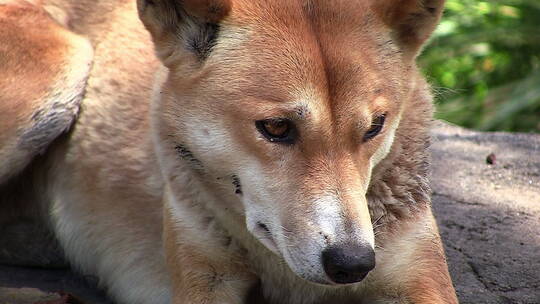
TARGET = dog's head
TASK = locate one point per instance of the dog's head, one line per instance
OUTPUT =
(289, 105)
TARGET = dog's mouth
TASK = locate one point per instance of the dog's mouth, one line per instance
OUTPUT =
(264, 235)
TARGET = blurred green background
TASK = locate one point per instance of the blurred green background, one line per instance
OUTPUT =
(484, 65)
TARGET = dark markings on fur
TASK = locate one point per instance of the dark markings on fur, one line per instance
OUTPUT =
(197, 33)
(188, 156)
(48, 123)
(325, 236)
(302, 112)
(236, 184)
(263, 227)
(389, 49)
(203, 40)
(215, 280)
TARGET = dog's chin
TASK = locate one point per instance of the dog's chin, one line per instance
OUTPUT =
(324, 281)
(311, 278)
(317, 281)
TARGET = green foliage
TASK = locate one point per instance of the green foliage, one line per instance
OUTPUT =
(484, 63)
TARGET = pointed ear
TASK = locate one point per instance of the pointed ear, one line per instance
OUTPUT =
(412, 21)
(179, 26)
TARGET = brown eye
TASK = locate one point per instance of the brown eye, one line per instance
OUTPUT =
(376, 127)
(277, 130)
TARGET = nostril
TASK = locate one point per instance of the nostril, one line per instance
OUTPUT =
(348, 263)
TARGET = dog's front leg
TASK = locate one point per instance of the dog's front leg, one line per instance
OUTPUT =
(430, 283)
(206, 265)
(412, 267)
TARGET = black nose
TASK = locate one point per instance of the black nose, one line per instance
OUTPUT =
(348, 263)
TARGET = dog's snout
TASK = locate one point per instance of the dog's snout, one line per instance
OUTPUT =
(348, 263)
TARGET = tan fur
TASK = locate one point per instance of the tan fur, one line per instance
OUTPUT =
(44, 73)
(156, 228)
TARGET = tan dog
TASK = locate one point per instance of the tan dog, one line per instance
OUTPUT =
(285, 143)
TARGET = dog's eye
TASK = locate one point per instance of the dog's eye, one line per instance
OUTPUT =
(376, 127)
(277, 130)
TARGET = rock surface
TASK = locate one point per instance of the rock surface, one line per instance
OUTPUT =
(26, 295)
(488, 214)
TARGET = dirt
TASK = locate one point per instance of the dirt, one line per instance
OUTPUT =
(488, 214)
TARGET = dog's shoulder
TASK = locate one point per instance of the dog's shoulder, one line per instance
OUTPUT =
(44, 72)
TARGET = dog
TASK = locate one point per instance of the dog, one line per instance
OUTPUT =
(224, 150)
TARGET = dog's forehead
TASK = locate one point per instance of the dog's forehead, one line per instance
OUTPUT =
(297, 9)
(328, 51)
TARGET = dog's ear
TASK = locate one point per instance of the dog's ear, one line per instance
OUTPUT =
(411, 21)
(180, 27)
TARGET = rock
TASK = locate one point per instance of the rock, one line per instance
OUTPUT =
(60, 282)
(35, 296)
(488, 214)
(27, 242)
(26, 296)
(25, 238)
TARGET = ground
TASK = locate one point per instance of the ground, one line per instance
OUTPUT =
(488, 214)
